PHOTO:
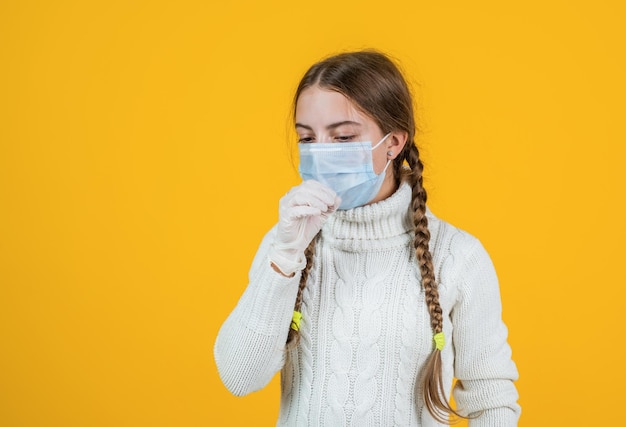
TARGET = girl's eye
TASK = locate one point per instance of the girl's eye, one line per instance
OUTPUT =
(305, 140)
(344, 138)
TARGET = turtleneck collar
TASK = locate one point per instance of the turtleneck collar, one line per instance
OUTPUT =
(382, 224)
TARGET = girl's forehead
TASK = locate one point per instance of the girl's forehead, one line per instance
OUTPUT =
(316, 106)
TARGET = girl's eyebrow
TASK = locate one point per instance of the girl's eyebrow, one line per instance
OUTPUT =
(330, 126)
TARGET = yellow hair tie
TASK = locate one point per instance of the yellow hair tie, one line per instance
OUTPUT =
(440, 341)
(295, 320)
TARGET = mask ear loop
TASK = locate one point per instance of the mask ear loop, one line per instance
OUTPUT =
(381, 141)
(376, 146)
(386, 166)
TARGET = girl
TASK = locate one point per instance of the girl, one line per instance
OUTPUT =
(367, 303)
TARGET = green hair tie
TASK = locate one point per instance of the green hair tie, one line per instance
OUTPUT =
(440, 341)
(295, 320)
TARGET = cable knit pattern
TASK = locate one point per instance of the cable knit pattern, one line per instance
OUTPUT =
(341, 348)
(365, 332)
(368, 356)
(415, 324)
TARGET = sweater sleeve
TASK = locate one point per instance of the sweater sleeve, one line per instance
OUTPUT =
(250, 345)
(483, 364)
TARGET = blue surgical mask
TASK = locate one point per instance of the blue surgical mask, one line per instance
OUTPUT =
(346, 167)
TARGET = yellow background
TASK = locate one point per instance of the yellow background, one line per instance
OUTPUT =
(144, 147)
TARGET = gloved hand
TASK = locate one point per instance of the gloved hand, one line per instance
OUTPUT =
(302, 213)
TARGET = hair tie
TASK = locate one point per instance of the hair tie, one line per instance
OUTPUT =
(295, 320)
(440, 341)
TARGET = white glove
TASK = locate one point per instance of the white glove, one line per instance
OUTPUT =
(302, 213)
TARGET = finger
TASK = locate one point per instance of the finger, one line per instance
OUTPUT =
(323, 192)
(304, 198)
(297, 212)
(332, 208)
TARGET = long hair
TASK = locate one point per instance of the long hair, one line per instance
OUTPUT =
(376, 86)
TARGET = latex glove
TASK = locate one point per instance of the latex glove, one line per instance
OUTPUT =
(302, 213)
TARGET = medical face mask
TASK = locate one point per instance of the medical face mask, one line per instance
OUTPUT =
(346, 167)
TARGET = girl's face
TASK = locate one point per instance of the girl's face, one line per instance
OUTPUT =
(328, 116)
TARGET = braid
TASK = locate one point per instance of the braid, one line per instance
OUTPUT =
(294, 336)
(432, 380)
(421, 241)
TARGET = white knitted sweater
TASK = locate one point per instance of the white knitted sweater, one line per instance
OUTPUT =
(365, 331)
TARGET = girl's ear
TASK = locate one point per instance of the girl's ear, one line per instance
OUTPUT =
(397, 141)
